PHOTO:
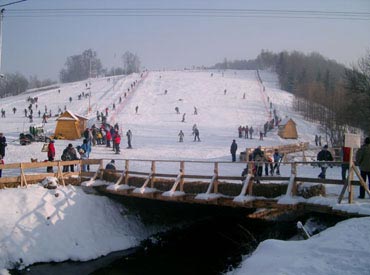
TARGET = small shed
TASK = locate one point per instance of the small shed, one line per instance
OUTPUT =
(288, 129)
(82, 122)
(70, 126)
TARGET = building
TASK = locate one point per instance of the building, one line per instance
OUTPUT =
(288, 129)
(70, 126)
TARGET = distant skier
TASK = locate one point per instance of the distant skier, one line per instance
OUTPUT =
(196, 134)
(14, 110)
(181, 136)
(240, 131)
(129, 137)
(246, 131)
(244, 96)
(70, 99)
(114, 106)
(233, 149)
(165, 92)
(195, 110)
(136, 109)
(225, 92)
(177, 110)
(183, 117)
(251, 132)
(317, 140)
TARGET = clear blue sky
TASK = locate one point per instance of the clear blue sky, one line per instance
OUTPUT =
(40, 45)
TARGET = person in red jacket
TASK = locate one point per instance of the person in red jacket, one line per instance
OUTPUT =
(51, 155)
(116, 142)
(108, 138)
(345, 158)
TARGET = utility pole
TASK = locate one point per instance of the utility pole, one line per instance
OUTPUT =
(1, 37)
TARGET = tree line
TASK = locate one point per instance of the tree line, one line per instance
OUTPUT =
(325, 91)
(76, 68)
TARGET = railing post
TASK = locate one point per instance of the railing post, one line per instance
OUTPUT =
(350, 177)
(60, 174)
(153, 177)
(127, 165)
(21, 173)
(101, 166)
(182, 171)
(215, 171)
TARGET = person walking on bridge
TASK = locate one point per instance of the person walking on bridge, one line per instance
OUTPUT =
(363, 160)
(324, 155)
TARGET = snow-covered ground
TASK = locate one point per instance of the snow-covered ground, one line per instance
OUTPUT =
(34, 215)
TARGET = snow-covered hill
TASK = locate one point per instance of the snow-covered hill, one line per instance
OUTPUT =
(156, 126)
(35, 213)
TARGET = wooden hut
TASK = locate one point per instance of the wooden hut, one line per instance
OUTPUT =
(288, 129)
(82, 123)
(70, 126)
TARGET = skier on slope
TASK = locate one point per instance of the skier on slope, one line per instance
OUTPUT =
(181, 136)
(129, 137)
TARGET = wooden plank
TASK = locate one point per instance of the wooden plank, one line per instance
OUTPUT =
(10, 166)
(325, 181)
(10, 180)
(91, 161)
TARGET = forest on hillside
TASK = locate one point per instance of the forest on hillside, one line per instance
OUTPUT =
(325, 91)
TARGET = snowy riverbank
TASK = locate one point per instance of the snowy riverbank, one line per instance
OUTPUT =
(36, 225)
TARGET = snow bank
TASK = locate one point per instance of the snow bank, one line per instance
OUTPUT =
(343, 249)
(41, 225)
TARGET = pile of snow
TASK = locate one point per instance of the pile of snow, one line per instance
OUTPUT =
(37, 225)
(343, 249)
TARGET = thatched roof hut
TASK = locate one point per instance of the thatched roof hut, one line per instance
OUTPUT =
(288, 129)
(70, 126)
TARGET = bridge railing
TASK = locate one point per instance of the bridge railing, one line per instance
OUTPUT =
(30, 172)
(293, 178)
(15, 174)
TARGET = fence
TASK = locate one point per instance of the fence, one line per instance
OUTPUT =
(179, 178)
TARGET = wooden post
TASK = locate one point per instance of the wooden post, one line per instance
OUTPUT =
(23, 177)
(21, 172)
(127, 165)
(350, 176)
(250, 187)
(60, 174)
(101, 166)
(153, 172)
(215, 184)
(182, 171)
(294, 172)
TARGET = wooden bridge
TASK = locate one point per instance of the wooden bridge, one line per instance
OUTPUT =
(276, 195)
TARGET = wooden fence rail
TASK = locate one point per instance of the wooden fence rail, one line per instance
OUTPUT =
(152, 174)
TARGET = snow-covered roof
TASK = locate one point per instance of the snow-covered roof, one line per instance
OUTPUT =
(73, 116)
(286, 120)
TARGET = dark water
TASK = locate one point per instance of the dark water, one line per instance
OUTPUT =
(210, 241)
